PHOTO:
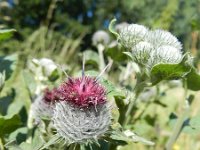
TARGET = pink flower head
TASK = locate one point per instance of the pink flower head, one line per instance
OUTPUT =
(50, 95)
(83, 92)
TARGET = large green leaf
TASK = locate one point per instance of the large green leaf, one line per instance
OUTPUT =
(117, 134)
(8, 124)
(6, 33)
(169, 72)
(30, 82)
(8, 64)
(193, 80)
(91, 58)
(116, 53)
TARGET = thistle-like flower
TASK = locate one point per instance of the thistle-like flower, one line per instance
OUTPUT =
(163, 38)
(101, 37)
(132, 34)
(81, 113)
(42, 106)
(165, 55)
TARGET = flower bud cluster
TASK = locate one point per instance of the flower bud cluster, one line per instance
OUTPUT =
(78, 109)
(150, 47)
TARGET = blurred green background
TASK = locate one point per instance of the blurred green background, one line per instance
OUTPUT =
(77, 20)
(62, 29)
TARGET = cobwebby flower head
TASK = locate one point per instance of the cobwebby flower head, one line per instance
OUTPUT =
(42, 106)
(163, 38)
(165, 55)
(100, 37)
(83, 92)
(81, 112)
(132, 34)
(76, 125)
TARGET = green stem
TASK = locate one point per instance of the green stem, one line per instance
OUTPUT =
(1, 144)
(101, 48)
(179, 124)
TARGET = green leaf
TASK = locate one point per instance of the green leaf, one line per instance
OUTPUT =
(53, 140)
(6, 33)
(19, 135)
(193, 80)
(30, 82)
(129, 55)
(8, 64)
(169, 72)
(91, 58)
(8, 124)
(12, 145)
(37, 141)
(127, 136)
(112, 28)
(116, 53)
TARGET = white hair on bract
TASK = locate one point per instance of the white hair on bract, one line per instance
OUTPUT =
(132, 34)
(141, 52)
(80, 125)
(163, 38)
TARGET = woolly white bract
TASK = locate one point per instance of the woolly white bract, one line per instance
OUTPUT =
(131, 34)
(150, 47)
(163, 38)
(76, 125)
(142, 52)
(41, 109)
(166, 55)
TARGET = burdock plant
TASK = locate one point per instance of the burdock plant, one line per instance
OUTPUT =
(82, 113)
(159, 56)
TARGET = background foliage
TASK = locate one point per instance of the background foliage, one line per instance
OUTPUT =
(62, 31)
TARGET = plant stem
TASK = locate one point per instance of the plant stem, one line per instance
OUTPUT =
(100, 48)
(1, 144)
(130, 107)
(179, 124)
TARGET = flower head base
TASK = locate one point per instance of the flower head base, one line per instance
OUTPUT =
(130, 35)
(142, 52)
(82, 92)
(76, 125)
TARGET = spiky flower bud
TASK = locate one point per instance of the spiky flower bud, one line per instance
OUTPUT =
(100, 37)
(76, 125)
(166, 55)
(81, 113)
(163, 38)
(132, 34)
(42, 106)
(141, 52)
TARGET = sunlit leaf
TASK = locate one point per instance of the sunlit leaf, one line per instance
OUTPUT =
(6, 33)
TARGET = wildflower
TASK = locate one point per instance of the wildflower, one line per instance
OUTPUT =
(42, 106)
(166, 55)
(81, 113)
(132, 34)
(163, 38)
